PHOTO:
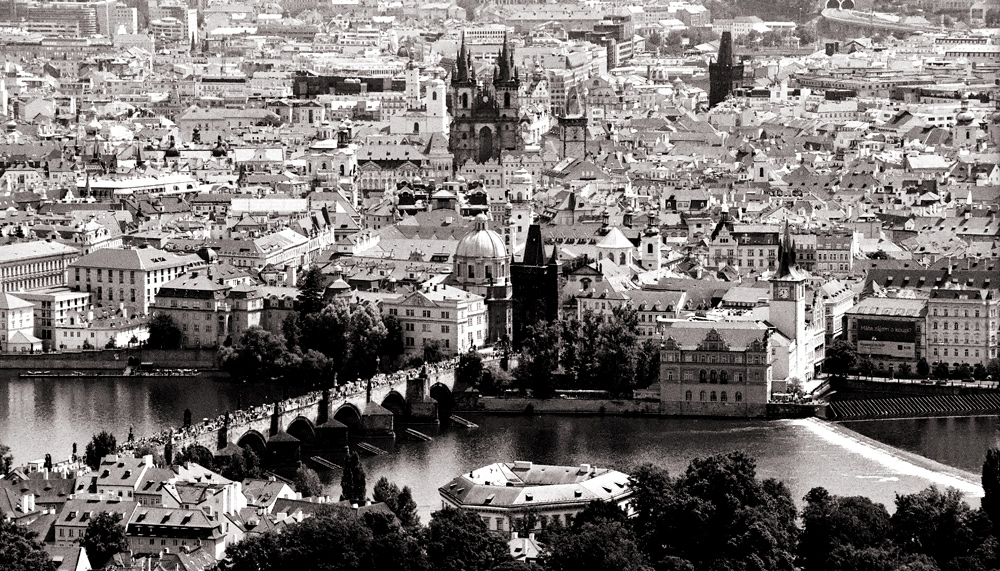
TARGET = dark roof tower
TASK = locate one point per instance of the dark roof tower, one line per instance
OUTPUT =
(724, 76)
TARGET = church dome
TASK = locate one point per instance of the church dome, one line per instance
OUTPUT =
(481, 243)
(93, 127)
(965, 117)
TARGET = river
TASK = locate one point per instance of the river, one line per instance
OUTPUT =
(876, 459)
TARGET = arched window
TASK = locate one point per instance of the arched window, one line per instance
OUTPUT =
(416, 127)
(739, 396)
(723, 396)
(714, 397)
(621, 259)
(702, 396)
(649, 248)
(713, 377)
(472, 271)
(465, 100)
(323, 166)
(687, 395)
(434, 95)
(506, 99)
(723, 377)
(739, 378)
(703, 376)
(342, 170)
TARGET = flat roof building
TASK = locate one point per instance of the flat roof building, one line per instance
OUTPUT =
(505, 492)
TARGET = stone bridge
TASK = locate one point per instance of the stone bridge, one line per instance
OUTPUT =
(325, 422)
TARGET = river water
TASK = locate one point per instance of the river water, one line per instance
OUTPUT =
(876, 459)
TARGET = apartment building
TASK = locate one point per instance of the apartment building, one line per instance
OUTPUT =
(208, 307)
(128, 279)
(961, 326)
(26, 266)
(453, 318)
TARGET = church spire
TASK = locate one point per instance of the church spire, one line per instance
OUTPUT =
(786, 254)
(462, 72)
(505, 60)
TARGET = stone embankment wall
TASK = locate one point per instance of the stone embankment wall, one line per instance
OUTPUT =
(105, 359)
(566, 406)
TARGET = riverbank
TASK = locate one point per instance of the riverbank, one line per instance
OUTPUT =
(110, 359)
(615, 407)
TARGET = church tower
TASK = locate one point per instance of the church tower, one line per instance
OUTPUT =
(535, 282)
(723, 76)
(485, 116)
(788, 293)
(573, 128)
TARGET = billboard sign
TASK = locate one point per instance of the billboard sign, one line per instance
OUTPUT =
(887, 338)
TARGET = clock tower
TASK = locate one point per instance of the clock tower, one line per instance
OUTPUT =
(788, 292)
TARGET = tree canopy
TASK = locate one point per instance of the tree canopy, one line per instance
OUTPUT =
(352, 482)
(20, 549)
(104, 537)
(164, 332)
(102, 444)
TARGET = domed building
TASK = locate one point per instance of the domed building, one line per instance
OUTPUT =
(482, 266)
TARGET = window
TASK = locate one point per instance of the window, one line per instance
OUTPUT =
(445, 329)
(714, 397)
(702, 377)
(723, 378)
(724, 397)
(738, 397)
(687, 395)
(701, 395)
(713, 377)
(445, 315)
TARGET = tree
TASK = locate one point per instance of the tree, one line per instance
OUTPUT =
(602, 544)
(941, 370)
(831, 522)
(366, 335)
(392, 346)
(197, 454)
(399, 501)
(539, 358)
(163, 332)
(904, 370)
(352, 481)
(433, 352)
(20, 550)
(469, 372)
(6, 459)
(307, 482)
(334, 539)
(716, 515)
(457, 540)
(978, 372)
(840, 358)
(940, 525)
(923, 369)
(105, 536)
(406, 509)
(991, 486)
(259, 355)
(311, 288)
(256, 552)
(101, 445)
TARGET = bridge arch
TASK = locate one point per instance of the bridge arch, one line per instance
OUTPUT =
(349, 415)
(302, 428)
(395, 402)
(255, 441)
(445, 399)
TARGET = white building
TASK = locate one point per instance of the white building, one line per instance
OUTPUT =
(453, 318)
(505, 492)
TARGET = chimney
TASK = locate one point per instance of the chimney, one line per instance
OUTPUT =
(28, 503)
(147, 460)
